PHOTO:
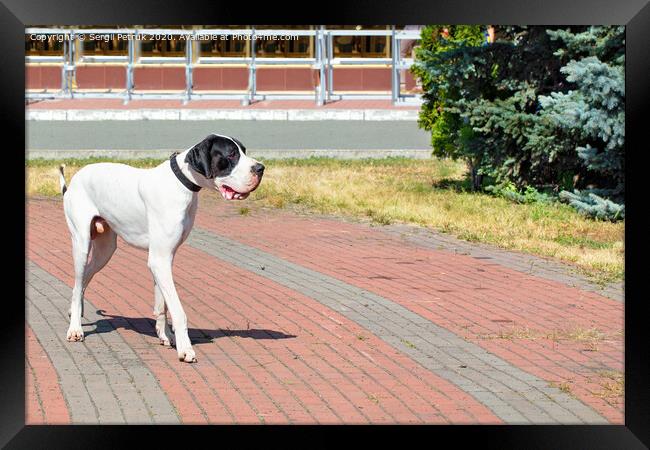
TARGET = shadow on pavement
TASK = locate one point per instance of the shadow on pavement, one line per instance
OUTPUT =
(146, 326)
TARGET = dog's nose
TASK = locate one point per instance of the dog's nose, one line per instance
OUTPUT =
(258, 169)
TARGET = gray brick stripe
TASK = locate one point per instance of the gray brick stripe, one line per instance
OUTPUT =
(512, 394)
(103, 380)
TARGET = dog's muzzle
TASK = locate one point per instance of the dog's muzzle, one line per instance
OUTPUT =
(229, 193)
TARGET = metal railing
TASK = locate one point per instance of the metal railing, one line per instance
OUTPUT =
(323, 61)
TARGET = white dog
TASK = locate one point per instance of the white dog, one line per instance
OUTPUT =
(152, 209)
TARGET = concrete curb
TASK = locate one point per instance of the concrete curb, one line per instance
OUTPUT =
(256, 153)
(222, 114)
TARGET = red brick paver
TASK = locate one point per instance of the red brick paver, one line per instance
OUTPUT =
(45, 403)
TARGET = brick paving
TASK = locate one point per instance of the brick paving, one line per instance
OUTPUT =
(277, 313)
(103, 380)
(534, 265)
(487, 377)
(45, 402)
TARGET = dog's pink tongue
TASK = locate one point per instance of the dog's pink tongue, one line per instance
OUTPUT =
(227, 192)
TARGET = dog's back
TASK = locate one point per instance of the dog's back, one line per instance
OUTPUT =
(106, 175)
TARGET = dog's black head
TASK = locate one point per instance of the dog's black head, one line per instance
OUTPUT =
(215, 156)
(223, 161)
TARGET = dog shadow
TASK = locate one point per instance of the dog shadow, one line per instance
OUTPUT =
(147, 327)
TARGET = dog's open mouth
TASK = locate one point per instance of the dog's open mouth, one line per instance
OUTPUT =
(230, 194)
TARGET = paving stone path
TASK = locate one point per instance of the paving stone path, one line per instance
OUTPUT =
(305, 319)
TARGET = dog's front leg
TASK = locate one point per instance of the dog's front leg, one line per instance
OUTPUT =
(160, 263)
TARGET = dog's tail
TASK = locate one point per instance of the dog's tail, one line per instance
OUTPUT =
(62, 179)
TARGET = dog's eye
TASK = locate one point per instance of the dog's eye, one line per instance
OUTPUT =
(232, 154)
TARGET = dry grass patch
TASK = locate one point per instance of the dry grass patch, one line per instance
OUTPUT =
(373, 398)
(613, 383)
(431, 193)
(564, 386)
(513, 333)
(577, 334)
(408, 343)
(590, 337)
(42, 176)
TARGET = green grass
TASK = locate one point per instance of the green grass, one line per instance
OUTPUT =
(430, 193)
(581, 242)
(408, 343)
(80, 162)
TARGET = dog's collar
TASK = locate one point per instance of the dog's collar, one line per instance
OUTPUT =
(182, 178)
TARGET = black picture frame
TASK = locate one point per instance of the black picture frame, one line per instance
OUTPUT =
(15, 15)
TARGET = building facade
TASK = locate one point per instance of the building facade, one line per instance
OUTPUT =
(225, 60)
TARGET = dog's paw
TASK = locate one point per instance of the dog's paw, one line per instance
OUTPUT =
(162, 334)
(187, 356)
(75, 334)
(184, 346)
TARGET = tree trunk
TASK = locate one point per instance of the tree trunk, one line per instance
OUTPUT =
(477, 178)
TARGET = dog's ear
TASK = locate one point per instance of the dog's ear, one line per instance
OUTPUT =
(243, 149)
(200, 159)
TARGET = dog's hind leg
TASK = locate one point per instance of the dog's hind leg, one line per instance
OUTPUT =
(80, 250)
(160, 313)
(89, 257)
(102, 249)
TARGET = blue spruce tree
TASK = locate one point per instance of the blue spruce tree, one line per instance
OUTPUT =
(593, 114)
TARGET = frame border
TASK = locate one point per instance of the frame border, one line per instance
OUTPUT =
(15, 15)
